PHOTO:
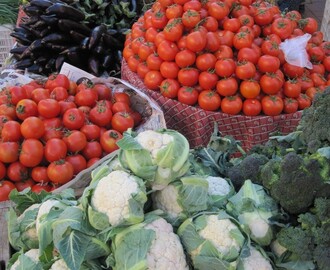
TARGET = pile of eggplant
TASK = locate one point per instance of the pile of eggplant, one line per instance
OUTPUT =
(87, 34)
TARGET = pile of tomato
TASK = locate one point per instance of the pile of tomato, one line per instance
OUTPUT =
(224, 55)
(52, 131)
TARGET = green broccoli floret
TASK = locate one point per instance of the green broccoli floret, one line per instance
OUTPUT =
(248, 168)
(293, 181)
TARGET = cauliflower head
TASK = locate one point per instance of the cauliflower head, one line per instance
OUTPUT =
(121, 197)
(255, 261)
(44, 209)
(219, 190)
(59, 265)
(32, 254)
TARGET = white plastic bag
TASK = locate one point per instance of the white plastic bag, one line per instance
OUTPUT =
(294, 50)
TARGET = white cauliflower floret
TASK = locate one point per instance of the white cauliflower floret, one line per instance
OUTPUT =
(256, 261)
(218, 186)
(166, 251)
(59, 265)
(44, 208)
(166, 200)
(153, 141)
(277, 248)
(218, 233)
(33, 254)
(31, 232)
(258, 226)
(111, 196)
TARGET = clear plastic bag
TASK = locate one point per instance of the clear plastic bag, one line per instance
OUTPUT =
(294, 50)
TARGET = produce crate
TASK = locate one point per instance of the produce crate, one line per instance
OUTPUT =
(325, 26)
(6, 43)
(197, 124)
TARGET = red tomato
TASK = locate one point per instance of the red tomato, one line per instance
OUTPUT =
(73, 119)
(205, 61)
(11, 131)
(93, 149)
(242, 40)
(21, 185)
(65, 105)
(272, 105)
(167, 50)
(17, 93)
(86, 97)
(145, 50)
(316, 54)
(32, 153)
(188, 95)
(59, 93)
(304, 101)
(227, 86)
(92, 161)
(231, 24)
(101, 113)
(40, 94)
(210, 23)
(208, 79)
(53, 129)
(213, 41)
(32, 127)
(224, 52)
(91, 131)
(75, 141)
(290, 105)
(49, 108)
(251, 107)
(292, 71)
(185, 58)
(249, 89)
(142, 69)
(270, 47)
(121, 96)
(78, 163)
(263, 16)
(282, 27)
(308, 25)
(231, 105)
(270, 83)
(154, 61)
(159, 19)
(153, 79)
(218, 10)
(190, 18)
(39, 174)
(60, 172)
(245, 70)
(5, 188)
(196, 41)
(225, 67)
(268, 63)
(16, 172)
(292, 88)
(55, 149)
(318, 79)
(169, 88)
(120, 107)
(109, 139)
(39, 187)
(174, 11)
(188, 76)
(169, 70)
(26, 108)
(209, 100)
(122, 121)
(9, 152)
(58, 80)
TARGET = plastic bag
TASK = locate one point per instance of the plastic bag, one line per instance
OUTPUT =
(294, 50)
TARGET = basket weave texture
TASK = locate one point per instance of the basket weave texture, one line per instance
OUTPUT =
(6, 43)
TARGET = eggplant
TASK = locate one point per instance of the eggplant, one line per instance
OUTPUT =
(30, 31)
(84, 43)
(32, 20)
(111, 42)
(23, 64)
(96, 35)
(55, 38)
(77, 37)
(99, 50)
(94, 66)
(18, 50)
(65, 11)
(51, 20)
(43, 4)
(21, 38)
(66, 25)
(107, 61)
(50, 65)
(35, 68)
(46, 31)
(41, 60)
(39, 25)
(32, 10)
(112, 31)
(59, 61)
(56, 47)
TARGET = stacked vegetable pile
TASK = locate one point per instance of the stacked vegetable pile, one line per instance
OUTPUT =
(50, 132)
(155, 204)
(225, 55)
(86, 34)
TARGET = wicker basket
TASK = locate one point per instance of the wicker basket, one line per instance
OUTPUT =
(6, 42)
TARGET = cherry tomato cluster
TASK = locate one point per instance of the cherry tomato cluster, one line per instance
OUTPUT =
(224, 55)
(52, 131)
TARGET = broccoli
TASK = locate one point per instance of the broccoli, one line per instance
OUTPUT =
(294, 181)
(248, 168)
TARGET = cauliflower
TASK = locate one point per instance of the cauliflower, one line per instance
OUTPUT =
(277, 248)
(116, 199)
(44, 209)
(149, 245)
(59, 265)
(255, 261)
(219, 190)
(32, 254)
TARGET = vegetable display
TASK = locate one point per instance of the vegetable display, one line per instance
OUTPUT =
(86, 34)
(227, 56)
(53, 130)
(126, 222)
(8, 12)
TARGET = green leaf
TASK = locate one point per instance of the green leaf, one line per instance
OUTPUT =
(98, 220)
(73, 248)
(27, 263)
(128, 142)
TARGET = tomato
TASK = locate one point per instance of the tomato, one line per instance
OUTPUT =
(308, 25)
(11, 131)
(109, 139)
(246, 19)
(55, 149)
(17, 93)
(231, 105)
(263, 16)
(39, 174)
(290, 105)
(251, 107)
(154, 61)
(292, 88)
(190, 18)
(121, 96)
(92, 161)
(120, 107)
(196, 41)
(227, 86)
(93, 149)
(26, 108)
(326, 63)
(8, 110)
(188, 76)
(153, 79)
(16, 172)
(210, 23)
(122, 121)
(238, 10)
(268, 63)
(245, 70)
(9, 152)
(188, 95)
(242, 40)
(49, 108)
(185, 58)
(205, 61)
(28, 90)
(316, 54)
(318, 68)
(142, 69)
(87, 97)
(208, 79)
(249, 89)
(303, 101)
(39, 187)
(28, 183)
(193, 5)
(282, 27)
(101, 114)
(65, 105)
(270, 83)
(292, 71)
(2, 170)
(209, 100)
(127, 52)
(60, 172)
(169, 70)
(224, 52)
(58, 80)
(174, 11)
(32, 152)
(53, 129)
(213, 42)
(91, 131)
(59, 93)
(218, 10)
(75, 140)
(225, 67)
(40, 94)
(231, 24)
(272, 105)
(133, 62)
(5, 188)
(248, 54)
(169, 88)
(270, 48)
(325, 45)
(145, 49)
(312, 91)
(159, 19)
(318, 79)
(73, 119)
(78, 163)
(167, 50)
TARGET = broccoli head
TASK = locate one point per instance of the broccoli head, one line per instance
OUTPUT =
(293, 181)
(248, 168)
